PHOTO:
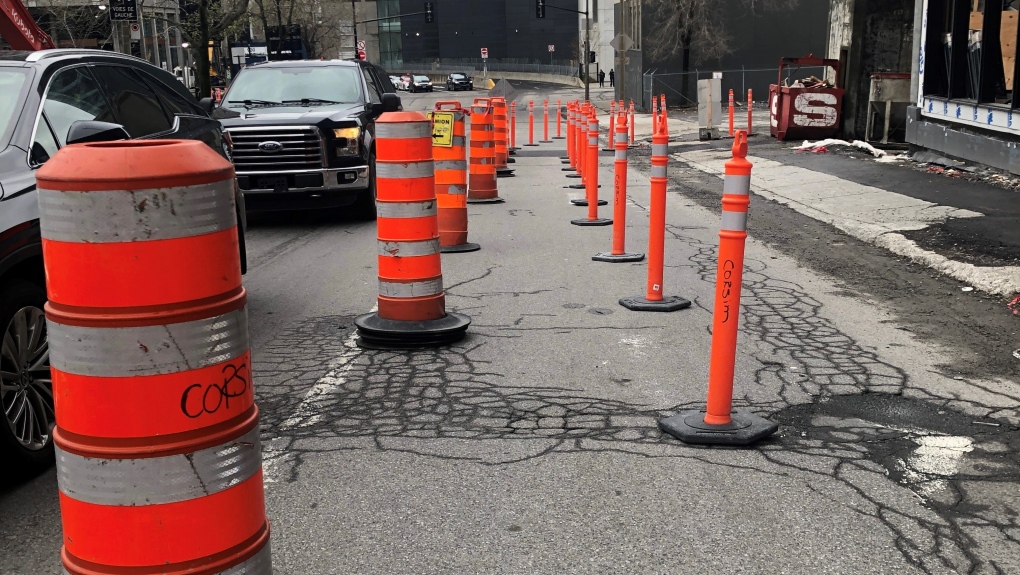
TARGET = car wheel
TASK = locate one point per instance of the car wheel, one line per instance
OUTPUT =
(364, 206)
(26, 392)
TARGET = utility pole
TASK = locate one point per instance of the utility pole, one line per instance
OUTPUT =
(354, 25)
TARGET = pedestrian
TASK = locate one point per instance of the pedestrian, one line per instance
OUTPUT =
(612, 78)
(602, 78)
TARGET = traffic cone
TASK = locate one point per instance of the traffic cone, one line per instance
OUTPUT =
(451, 180)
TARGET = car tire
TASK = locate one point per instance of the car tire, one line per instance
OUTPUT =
(364, 206)
(25, 453)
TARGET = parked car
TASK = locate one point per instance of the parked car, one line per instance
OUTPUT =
(396, 82)
(456, 82)
(53, 98)
(420, 84)
(303, 133)
(405, 81)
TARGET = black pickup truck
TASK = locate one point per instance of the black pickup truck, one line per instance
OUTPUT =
(302, 133)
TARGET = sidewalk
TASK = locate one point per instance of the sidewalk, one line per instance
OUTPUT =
(967, 230)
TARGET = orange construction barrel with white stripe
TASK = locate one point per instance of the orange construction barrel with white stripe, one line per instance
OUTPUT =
(412, 303)
(501, 124)
(449, 150)
(482, 165)
(157, 439)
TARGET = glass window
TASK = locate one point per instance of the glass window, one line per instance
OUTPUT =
(74, 95)
(44, 145)
(137, 106)
(291, 84)
(12, 84)
(171, 100)
(373, 87)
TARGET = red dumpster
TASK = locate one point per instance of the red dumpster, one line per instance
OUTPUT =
(805, 113)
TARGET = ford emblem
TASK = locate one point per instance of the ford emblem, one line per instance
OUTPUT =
(270, 147)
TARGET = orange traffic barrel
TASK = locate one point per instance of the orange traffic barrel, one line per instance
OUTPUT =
(412, 304)
(449, 150)
(157, 439)
(500, 126)
(718, 424)
(482, 164)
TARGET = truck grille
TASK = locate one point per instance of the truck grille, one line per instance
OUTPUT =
(301, 149)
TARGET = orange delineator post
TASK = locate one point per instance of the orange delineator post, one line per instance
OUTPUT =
(631, 122)
(570, 160)
(591, 180)
(653, 299)
(619, 252)
(718, 423)
(451, 183)
(663, 113)
(531, 123)
(610, 144)
(545, 122)
(157, 432)
(482, 187)
(559, 112)
(580, 126)
(513, 128)
(655, 115)
(590, 113)
(731, 113)
(750, 110)
(411, 303)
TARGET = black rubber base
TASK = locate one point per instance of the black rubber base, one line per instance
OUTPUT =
(565, 159)
(583, 202)
(545, 141)
(512, 151)
(496, 200)
(559, 137)
(504, 172)
(531, 145)
(608, 149)
(574, 175)
(511, 161)
(670, 303)
(595, 222)
(745, 429)
(618, 259)
(576, 186)
(460, 248)
(375, 332)
(567, 169)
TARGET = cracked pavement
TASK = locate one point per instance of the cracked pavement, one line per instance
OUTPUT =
(532, 447)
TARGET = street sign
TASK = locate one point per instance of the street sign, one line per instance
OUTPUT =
(485, 52)
(442, 129)
(552, 47)
(123, 10)
(621, 43)
(361, 44)
(362, 56)
(717, 75)
(136, 31)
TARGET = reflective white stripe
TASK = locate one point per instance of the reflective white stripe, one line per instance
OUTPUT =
(451, 165)
(259, 564)
(137, 215)
(621, 137)
(409, 249)
(411, 289)
(658, 171)
(593, 126)
(660, 149)
(399, 171)
(148, 350)
(621, 155)
(738, 185)
(593, 140)
(734, 221)
(456, 189)
(159, 480)
(403, 130)
(405, 209)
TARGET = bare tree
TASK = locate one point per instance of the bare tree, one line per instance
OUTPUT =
(81, 25)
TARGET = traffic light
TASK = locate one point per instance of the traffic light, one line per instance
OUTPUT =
(540, 8)
(591, 56)
(428, 13)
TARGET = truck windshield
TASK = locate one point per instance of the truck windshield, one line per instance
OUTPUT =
(12, 84)
(314, 85)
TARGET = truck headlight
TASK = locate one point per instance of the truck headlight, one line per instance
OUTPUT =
(347, 140)
(349, 133)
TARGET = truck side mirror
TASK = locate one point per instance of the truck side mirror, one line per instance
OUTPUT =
(391, 103)
(87, 131)
(207, 104)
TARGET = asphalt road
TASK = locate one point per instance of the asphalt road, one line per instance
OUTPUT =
(532, 447)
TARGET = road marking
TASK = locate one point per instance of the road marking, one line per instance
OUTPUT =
(275, 449)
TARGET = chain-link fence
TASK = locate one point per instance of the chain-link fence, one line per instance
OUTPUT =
(681, 88)
(473, 65)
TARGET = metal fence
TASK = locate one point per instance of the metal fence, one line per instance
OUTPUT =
(471, 66)
(681, 88)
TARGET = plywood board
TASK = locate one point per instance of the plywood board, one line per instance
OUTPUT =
(1007, 39)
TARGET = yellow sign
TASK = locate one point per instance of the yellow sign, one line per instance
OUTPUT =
(442, 129)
